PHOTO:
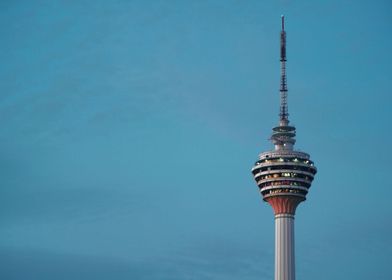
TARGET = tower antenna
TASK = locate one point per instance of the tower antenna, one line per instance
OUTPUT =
(284, 114)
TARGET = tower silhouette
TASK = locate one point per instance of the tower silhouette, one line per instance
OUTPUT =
(284, 177)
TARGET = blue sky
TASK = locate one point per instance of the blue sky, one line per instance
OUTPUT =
(129, 128)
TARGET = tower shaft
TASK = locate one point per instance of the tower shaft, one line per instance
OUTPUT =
(284, 209)
(284, 247)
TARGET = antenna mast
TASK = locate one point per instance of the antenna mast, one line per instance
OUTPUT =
(284, 114)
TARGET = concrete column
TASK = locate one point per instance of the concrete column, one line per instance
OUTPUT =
(284, 247)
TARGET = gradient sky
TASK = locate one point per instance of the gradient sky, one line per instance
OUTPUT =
(128, 130)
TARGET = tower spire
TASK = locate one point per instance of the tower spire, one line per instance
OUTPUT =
(283, 136)
(284, 114)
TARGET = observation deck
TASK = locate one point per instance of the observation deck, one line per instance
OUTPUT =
(284, 173)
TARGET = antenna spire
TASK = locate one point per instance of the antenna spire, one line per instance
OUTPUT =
(284, 114)
(283, 136)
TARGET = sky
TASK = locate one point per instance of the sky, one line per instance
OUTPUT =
(128, 130)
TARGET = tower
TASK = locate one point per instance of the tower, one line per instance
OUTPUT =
(284, 177)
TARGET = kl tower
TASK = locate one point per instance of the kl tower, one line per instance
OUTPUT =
(284, 177)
